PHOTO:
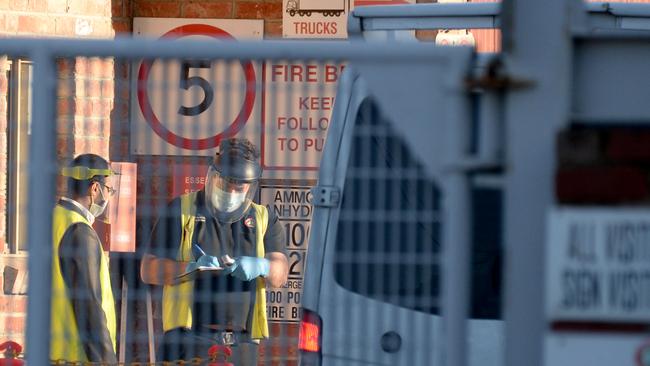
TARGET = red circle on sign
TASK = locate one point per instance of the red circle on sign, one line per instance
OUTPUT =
(164, 132)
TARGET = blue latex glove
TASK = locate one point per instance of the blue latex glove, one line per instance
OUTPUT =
(249, 268)
(203, 261)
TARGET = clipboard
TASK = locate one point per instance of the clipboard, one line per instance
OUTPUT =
(193, 273)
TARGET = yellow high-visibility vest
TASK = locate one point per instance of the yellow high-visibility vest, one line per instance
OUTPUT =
(65, 343)
(178, 299)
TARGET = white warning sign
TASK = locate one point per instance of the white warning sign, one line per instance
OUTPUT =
(298, 104)
(293, 207)
(598, 264)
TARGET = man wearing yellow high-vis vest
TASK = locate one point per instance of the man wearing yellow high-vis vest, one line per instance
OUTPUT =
(83, 311)
(232, 248)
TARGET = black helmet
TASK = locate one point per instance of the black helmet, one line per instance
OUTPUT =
(232, 179)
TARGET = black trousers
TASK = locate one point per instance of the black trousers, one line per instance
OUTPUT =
(185, 344)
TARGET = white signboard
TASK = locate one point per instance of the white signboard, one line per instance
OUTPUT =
(293, 207)
(598, 265)
(315, 18)
(186, 106)
(298, 104)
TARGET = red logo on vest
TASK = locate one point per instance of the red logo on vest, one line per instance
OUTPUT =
(249, 222)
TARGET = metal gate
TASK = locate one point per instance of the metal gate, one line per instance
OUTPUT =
(158, 111)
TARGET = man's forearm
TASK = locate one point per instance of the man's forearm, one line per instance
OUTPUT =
(279, 269)
(160, 271)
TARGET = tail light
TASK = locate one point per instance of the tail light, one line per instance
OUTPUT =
(309, 339)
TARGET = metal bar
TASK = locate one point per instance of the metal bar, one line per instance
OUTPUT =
(150, 328)
(42, 168)
(456, 224)
(165, 49)
(529, 155)
(481, 16)
(124, 313)
(429, 10)
(459, 22)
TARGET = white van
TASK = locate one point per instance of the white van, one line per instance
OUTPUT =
(372, 278)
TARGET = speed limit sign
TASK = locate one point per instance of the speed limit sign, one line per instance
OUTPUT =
(186, 106)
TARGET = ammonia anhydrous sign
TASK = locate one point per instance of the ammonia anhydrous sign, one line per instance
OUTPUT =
(293, 206)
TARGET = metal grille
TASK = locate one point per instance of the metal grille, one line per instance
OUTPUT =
(158, 110)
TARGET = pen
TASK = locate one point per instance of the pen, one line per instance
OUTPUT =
(198, 249)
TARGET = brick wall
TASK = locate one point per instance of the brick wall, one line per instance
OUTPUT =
(85, 102)
(269, 10)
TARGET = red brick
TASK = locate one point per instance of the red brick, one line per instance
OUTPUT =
(64, 146)
(160, 9)
(65, 67)
(97, 7)
(256, 10)
(107, 88)
(77, 7)
(88, 88)
(273, 29)
(592, 185)
(57, 6)
(19, 5)
(4, 84)
(37, 5)
(631, 145)
(9, 23)
(95, 67)
(122, 26)
(91, 145)
(66, 106)
(118, 8)
(35, 24)
(102, 28)
(107, 67)
(121, 110)
(65, 26)
(207, 10)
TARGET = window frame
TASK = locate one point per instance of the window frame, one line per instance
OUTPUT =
(19, 107)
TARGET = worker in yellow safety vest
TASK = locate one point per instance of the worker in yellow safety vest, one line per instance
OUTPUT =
(83, 310)
(215, 251)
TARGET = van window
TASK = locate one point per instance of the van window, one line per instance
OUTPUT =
(389, 229)
(389, 224)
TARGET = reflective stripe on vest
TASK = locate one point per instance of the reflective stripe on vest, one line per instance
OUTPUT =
(65, 343)
(178, 299)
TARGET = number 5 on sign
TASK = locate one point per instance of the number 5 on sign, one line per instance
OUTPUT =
(186, 82)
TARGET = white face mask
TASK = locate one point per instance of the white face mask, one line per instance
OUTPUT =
(227, 201)
(98, 209)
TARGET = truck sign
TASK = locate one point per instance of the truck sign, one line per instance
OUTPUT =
(307, 7)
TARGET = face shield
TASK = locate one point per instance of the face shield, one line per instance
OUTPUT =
(230, 187)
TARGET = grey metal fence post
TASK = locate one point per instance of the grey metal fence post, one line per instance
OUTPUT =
(538, 46)
(42, 183)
